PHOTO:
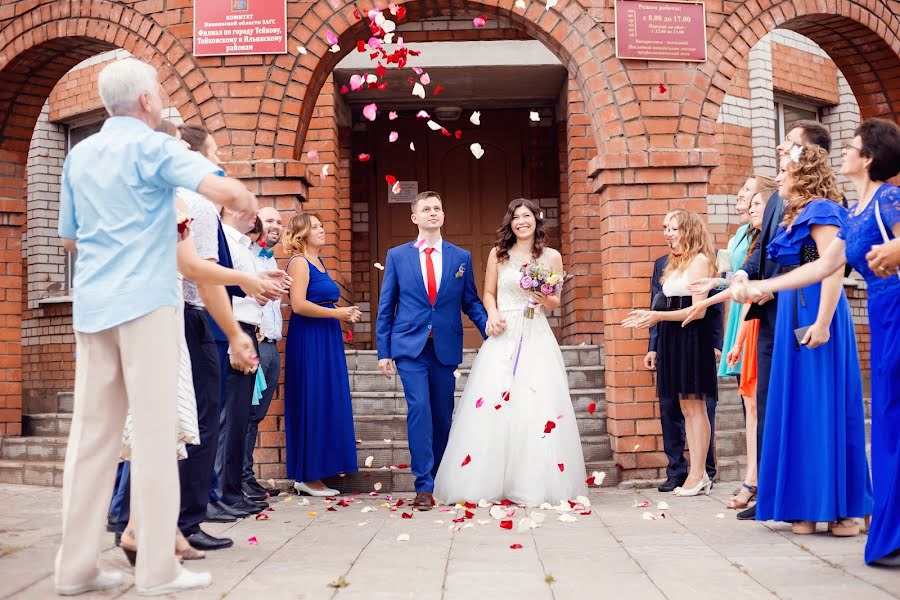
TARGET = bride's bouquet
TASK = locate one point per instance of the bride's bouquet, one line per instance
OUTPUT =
(536, 276)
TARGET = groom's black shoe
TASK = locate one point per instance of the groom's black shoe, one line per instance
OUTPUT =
(423, 501)
(671, 483)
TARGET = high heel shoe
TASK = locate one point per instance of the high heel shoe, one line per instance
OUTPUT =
(803, 527)
(703, 487)
(844, 528)
(129, 547)
(302, 488)
(735, 504)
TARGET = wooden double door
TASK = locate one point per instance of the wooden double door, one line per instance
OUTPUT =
(475, 192)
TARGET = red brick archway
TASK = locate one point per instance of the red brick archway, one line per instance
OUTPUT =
(39, 43)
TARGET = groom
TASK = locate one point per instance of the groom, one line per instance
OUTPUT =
(419, 329)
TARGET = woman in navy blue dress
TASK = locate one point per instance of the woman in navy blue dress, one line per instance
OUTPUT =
(814, 466)
(870, 158)
(318, 415)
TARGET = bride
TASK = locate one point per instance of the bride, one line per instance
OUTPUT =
(514, 434)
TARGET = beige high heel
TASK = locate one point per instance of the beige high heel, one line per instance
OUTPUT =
(844, 528)
(803, 527)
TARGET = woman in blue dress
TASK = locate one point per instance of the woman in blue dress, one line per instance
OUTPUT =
(318, 414)
(813, 466)
(869, 159)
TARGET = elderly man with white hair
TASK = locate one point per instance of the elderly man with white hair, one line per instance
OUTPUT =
(117, 209)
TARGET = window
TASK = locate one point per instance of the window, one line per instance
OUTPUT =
(78, 133)
(788, 112)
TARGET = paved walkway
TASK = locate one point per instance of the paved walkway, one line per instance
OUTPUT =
(614, 552)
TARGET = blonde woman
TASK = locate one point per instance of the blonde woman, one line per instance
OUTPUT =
(685, 361)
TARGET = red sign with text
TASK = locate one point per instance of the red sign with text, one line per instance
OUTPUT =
(226, 27)
(652, 30)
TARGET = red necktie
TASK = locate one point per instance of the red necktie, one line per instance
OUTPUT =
(429, 271)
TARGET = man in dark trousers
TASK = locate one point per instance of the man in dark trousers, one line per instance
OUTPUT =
(757, 266)
(670, 408)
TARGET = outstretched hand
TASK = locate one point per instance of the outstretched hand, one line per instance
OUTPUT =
(641, 319)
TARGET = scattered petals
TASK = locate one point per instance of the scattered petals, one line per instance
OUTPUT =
(515, 546)
(458, 134)
(356, 81)
(252, 540)
(567, 518)
(271, 482)
(641, 504)
(369, 461)
(505, 396)
(262, 517)
(392, 115)
(506, 524)
(419, 91)
(387, 440)
(422, 115)
(525, 524)
(425, 79)
(636, 446)
(497, 512)
(403, 537)
(367, 509)
(549, 427)
(562, 467)
(407, 515)
(438, 90)
(330, 509)
(538, 517)
(363, 157)
(479, 21)
(479, 403)
(312, 514)
(478, 152)
(475, 119)
(584, 501)
(412, 146)
(391, 180)
(662, 505)
(303, 502)
(370, 111)
(497, 407)
(457, 374)
(334, 49)
(546, 506)
(393, 137)
(466, 460)
(433, 126)
(379, 266)
(483, 503)
(534, 116)
(592, 407)
(395, 189)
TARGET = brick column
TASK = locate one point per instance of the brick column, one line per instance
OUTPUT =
(635, 191)
(12, 219)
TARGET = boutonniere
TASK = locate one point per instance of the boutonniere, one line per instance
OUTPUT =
(461, 271)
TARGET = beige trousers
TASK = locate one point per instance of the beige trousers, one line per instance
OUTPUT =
(132, 365)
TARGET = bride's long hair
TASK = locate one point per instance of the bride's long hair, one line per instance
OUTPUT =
(506, 237)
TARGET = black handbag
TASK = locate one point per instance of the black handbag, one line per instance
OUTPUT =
(660, 302)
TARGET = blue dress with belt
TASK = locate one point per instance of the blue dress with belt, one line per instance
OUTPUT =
(813, 465)
(318, 414)
(860, 233)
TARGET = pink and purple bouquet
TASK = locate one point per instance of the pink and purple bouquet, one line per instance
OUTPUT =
(538, 277)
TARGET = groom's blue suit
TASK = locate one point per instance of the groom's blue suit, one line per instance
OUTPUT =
(425, 342)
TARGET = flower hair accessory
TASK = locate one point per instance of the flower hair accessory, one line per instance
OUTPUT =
(795, 153)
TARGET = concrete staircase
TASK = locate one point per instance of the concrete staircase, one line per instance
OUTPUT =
(37, 457)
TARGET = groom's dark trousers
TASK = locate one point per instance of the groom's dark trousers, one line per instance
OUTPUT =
(424, 338)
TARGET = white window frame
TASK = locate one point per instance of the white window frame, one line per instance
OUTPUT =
(781, 101)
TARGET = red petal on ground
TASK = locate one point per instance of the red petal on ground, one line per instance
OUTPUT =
(466, 460)
(506, 502)
(330, 509)
(470, 505)
(360, 46)
(515, 546)
(415, 52)
(399, 502)
(469, 514)
(592, 407)
(459, 520)
(262, 516)
(403, 466)
(506, 524)
(585, 513)
(562, 467)
(406, 515)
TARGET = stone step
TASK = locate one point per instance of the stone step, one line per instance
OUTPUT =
(373, 381)
(31, 472)
(65, 402)
(402, 480)
(39, 448)
(573, 356)
(394, 402)
(393, 427)
(396, 452)
(47, 424)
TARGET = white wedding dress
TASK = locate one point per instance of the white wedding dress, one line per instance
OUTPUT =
(502, 442)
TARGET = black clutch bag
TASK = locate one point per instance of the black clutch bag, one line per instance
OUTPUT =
(659, 302)
(756, 311)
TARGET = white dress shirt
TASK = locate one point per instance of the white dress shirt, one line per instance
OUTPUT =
(271, 316)
(246, 310)
(436, 259)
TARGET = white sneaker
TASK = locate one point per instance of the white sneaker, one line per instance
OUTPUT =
(186, 580)
(104, 581)
(302, 488)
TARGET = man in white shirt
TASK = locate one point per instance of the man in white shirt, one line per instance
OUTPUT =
(239, 384)
(262, 252)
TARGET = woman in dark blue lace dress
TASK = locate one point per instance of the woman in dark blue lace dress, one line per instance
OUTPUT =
(869, 159)
(814, 467)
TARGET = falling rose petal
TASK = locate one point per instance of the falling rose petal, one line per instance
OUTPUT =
(344, 90)
(379, 266)
(592, 407)
(395, 189)
(325, 170)
(506, 524)
(301, 50)
(412, 146)
(389, 37)
(458, 134)
(403, 537)
(457, 374)
(438, 90)
(662, 505)
(479, 403)
(425, 79)
(369, 461)
(360, 46)
(418, 70)
(356, 14)
(262, 516)
(591, 480)
(390, 179)
(423, 115)
(620, 466)
(520, 4)
(371, 78)
(662, 89)
(433, 126)
(534, 116)
(549, 426)
(479, 21)
(377, 486)
(331, 37)
(252, 540)
(505, 396)
(363, 157)
(562, 467)
(387, 440)
(392, 115)
(475, 119)
(419, 91)
(497, 406)
(374, 43)
(466, 460)
(636, 446)
(419, 244)
(356, 82)
(445, 131)
(370, 111)
(550, 4)
(515, 546)
(393, 137)
(334, 49)
(313, 155)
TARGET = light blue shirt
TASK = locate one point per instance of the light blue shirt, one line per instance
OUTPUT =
(117, 200)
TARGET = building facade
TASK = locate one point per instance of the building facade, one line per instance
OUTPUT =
(607, 146)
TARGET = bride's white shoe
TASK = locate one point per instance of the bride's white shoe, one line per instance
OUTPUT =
(302, 488)
(703, 487)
